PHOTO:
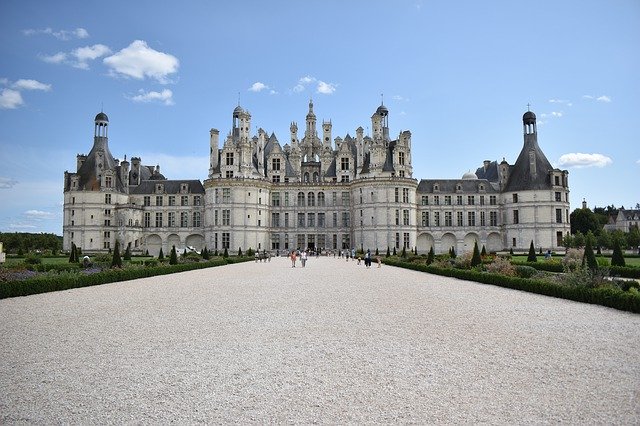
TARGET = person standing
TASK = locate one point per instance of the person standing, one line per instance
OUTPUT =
(303, 258)
(293, 258)
(367, 258)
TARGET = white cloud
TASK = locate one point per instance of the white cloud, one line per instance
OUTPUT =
(603, 98)
(6, 182)
(10, 99)
(57, 58)
(88, 53)
(24, 84)
(38, 214)
(557, 114)
(60, 35)
(326, 88)
(139, 61)
(258, 86)
(399, 98)
(21, 226)
(303, 82)
(581, 160)
(165, 97)
(561, 101)
(273, 92)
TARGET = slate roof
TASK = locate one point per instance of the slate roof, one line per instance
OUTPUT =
(170, 187)
(490, 174)
(521, 177)
(448, 186)
(88, 179)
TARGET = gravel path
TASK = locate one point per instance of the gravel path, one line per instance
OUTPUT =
(329, 343)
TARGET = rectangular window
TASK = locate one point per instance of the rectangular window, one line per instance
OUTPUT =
(275, 241)
(556, 180)
(345, 198)
(448, 219)
(344, 178)
(515, 198)
(184, 219)
(482, 200)
(559, 238)
(226, 195)
(147, 200)
(459, 200)
(108, 182)
(300, 241)
(301, 220)
(483, 219)
(471, 200)
(171, 216)
(513, 242)
(460, 217)
(516, 217)
(447, 200)
(286, 199)
(159, 200)
(107, 234)
(225, 240)
(401, 158)
(320, 220)
(406, 240)
(226, 217)
(558, 196)
(345, 219)
(405, 195)
(335, 220)
(471, 218)
(107, 212)
(397, 195)
(397, 217)
(493, 218)
(107, 222)
(197, 219)
(197, 200)
(275, 164)
(147, 219)
(286, 220)
(405, 217)
(275, 199)
(425, 218)
(184, 200)
(436, 200)
(425, 200)
(436, 218)
(311, 220)
(397, 243)
(229, 159)
(493, 200)
(228, 174)
(344, 164)
(172, 199)
(107, 198)
(158, 220)
(558, 215)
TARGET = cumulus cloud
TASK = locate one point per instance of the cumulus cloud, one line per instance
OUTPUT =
(581, 160)
(399, 98)
(326, 88)
(88, 53)
(303, 82)
(60, 35)
(139, 61)
(25, 84)
(165, 97)
(6, 182)
(56, 58)
(601, 98)
(561, 101)
(10, 99)
(258, 87)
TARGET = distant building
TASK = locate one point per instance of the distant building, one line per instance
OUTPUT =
(315, 192)
(624, 221)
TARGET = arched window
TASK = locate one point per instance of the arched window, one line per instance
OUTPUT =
(315, 176)
(311, 199)
(321, 199)
(301, 199)
(306, 177)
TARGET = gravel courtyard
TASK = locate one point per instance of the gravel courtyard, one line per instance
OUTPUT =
(329, 343)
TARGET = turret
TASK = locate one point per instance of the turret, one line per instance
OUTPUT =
(214, 136)
(311, 122)
(124, 173)
(326, 134)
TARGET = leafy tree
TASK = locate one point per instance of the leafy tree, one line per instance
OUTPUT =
(431, 256)
(476, 259)
(532, 253)
(127, 252)
(250, 252)
(205, 253)
(633, 237)
(161, 255)
(184, 253)
(604, 239)
(511, 251)
(116, 261)
(617, 259)
(579, 239)
(589, 258)
(584, 220)
(173, 257)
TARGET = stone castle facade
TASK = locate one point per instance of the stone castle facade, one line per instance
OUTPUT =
(314, 192)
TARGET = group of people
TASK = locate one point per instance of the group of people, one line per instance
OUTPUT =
(303, 256)
(294, 257)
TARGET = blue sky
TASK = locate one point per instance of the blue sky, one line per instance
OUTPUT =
(457, 74)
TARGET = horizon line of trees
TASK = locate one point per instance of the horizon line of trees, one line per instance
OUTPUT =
(25, 242)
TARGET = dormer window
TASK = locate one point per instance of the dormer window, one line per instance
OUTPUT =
(159, 188)
(184, 187)
(436, 187)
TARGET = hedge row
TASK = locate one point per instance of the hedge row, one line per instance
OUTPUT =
(606, 296)
(66, 281)
(614, 271)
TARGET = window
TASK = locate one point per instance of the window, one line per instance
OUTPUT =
(158, 200)
(147, 200)
(184, 219)
(107, 234)
(345, 219)
(397, 217)
(158, 220)
(229, 159)
(320, 220)
(397, 240)
(460, 217)
(405, 195)
(228, 174)
(346, 241)
(406, 240)
(197, 200)
(275, 199)
(471, 200)
(493, 218)
(301, 220)
(225, 240)
(436, 218)
(425, 218)
(107, 222)
(344, 163)
(275, 164)
(108, 181)
(513, 242)
(401, 158)
(558, 196)
(334, 198)
(397, 195)
(448, 219)
(107, 198)
(171, 219)
(335, 220)
(184, 200)
(226, 195)
(106, 245)
(558, 215)
(107, 212)
(286, 199)
(275, 241)
(344, 178)
(321, 202)
(286, 220)
(147, 219)
(436, 200)
(311, 199)
(172, 199)
(459, 200)
(482, 200)
(345, 198)
(559, 238)
(516, 217)
(301, 199)
(447, 200)
(275, 219)
(492, 200)
(471, 218)
(197, 219)
(515, 198)
(311, 220)
(401, 173)
(483, 219)
(425, 200)
(556, 180)
(226, 217)
(405, 217)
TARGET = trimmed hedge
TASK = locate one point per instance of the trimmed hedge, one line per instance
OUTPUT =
(606, 296)
(69, 280)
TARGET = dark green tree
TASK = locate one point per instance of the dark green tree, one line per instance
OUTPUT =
(404, 252)
(73, 255)
(388, 252)
(617, 259)
(173, 257)
(453, 252)
(633, 237)
(205, 253)
(127, 252)
(395, 253)
(483, 253)
(377, 252)
(584, 220)
(239, 251)
(116, 260)
(532, 253)
(226, 253)
(431, 256)
(476, 259)
(511, 251)
(589, 258)
(161, 255)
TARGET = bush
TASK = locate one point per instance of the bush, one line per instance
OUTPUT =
(475, 258)
(572, 259)
(116, 262)
(532, 253)
(501, 265)
(430, 256)
(173, 257)
(524, 271)
(32, 259)
(617, 259)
